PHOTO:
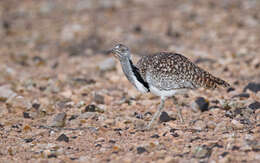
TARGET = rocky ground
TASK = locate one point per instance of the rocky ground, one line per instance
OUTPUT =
(64, 99)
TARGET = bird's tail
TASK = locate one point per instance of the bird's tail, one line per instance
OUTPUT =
(213, 82)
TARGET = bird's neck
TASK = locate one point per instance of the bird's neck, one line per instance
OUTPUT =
(127, 69)
(132, 74)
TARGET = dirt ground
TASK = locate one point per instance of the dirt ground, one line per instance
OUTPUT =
(63, 98)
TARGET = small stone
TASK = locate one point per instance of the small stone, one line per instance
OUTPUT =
(236, 124)
(89, 115)
(29, 140)
(224, 154)
(109, 121)
(19, 102)
(141, 150)
(175, 134)
(164, 117)
(66, 94)
(90, 108)
(221, 127)
(100, 139)
(139, 124)
(242, 95)
(199, 125)
(230, 89)
(73, 117)
(63, 137)
(211, 125)
(255, 105)
(36, 106)
(27, 128)
(112, 141)
(138, 115)
(98, 145)
(107, 65)
(200, 152)
(99, 98)
(93, 108)
(59, 120)
(155, 136)
(116, 149)
(254, 87)
(6, 93)
(84, 81)
(26, 115)
(52, 155)
(200, 104)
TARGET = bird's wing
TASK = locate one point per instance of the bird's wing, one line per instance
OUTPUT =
(167, 71)
(168, 82)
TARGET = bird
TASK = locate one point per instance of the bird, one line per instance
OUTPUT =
(164, 74)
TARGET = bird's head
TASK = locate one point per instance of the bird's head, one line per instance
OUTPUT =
(121, 52)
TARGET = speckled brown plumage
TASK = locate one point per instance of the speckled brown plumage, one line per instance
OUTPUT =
(168, 71)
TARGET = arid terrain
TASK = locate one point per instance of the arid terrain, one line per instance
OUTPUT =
(64, 98)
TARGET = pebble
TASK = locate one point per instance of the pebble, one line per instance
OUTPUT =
(221, 127)
(36, 106)
(72, 117)
(254, 106)
(83, 81)
(242, 95)
(88, 115)
(164, 117)
(155, 136)
(63, 137)
(66, 94)
(6, 93)
(200, 152)
(109, 121)
(29, 140)
(254, 87)
(139, 124)
(236, 124)
(257, 113)
(200, 104)
(199, 125)
(141, 150)
(19, 102)
(99, 99)
(211, 124)
(59, 120)
(230, 89)
(93, 108)
(26, 115)
(107, 65)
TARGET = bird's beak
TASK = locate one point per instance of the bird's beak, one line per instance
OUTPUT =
(114, 52)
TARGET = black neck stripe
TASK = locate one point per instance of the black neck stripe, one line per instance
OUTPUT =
(138, 76)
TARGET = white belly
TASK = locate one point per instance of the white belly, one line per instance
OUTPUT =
(139, 86)
(168, 93)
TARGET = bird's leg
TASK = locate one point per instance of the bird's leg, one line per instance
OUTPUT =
(180, 115)
(178, 109)
(158, 112)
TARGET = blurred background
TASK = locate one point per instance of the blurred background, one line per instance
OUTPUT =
(44, 30)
